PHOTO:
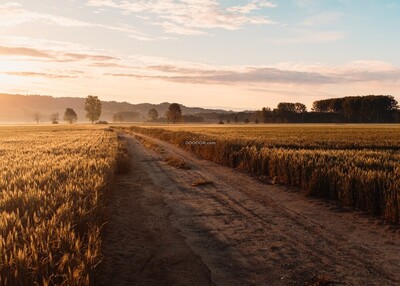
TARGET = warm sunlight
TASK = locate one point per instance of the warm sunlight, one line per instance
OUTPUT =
(307, 48)
(199, 142)
(15, 65)
(7, 66)
(10, 77)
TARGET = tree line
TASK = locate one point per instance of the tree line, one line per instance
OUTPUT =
(92, 107)
(357, 109)
(350, 109)
(172, 115)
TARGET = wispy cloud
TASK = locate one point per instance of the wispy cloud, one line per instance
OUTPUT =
(74, 57)
(39, 74)
(14, 15)
(52, 55)
(42, 43)
(252, 6)
(191, 15)
(173, 28)
(108, 65)
(309, 36)
(20, 51)
(322, 18)
(170, 70)
(257, 75)
(282, 74)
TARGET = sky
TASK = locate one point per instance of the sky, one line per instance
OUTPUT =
(232, 54)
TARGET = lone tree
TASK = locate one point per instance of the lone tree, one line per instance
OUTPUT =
(152, 114)
(174, 113)
(37, 116)
(55, 117)
(70, 116)
(93, 108)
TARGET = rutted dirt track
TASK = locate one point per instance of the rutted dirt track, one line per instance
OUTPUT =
(236, 231)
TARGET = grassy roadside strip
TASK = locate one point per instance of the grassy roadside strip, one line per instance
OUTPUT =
(367, 180)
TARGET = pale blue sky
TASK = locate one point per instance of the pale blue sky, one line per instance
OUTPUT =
(238, 54)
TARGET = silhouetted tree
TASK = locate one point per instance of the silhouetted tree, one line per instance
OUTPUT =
(37, 116)
(55, 117)
(300, 108)
(369, 109)
(93, 108)
(266, 114)
(285, 112)
(70, 116)
(174, 113)
(152, 114)
(286, 107)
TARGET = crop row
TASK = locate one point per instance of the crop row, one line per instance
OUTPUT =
(52, 191)
(355, 137)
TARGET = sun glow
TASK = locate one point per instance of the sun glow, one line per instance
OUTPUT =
(14, 82)
(254, 55)
(15, 65)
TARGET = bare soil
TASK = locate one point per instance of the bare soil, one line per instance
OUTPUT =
(164, 229)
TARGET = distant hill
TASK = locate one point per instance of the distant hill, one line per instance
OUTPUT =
(20, 108)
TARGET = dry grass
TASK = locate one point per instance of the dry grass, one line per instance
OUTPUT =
(151, 145)
(170, 160)
(52, 184)
(202, 182)
(177, 163)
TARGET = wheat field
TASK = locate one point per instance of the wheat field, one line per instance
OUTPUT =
(53, 183)
(357, 165)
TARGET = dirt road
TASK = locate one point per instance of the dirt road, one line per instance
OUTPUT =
(234, 231)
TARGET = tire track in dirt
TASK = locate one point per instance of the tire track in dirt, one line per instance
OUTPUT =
(248, 233)
(141, 246)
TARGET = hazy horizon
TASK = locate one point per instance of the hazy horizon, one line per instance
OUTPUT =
(226, 108)
(235, 55)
